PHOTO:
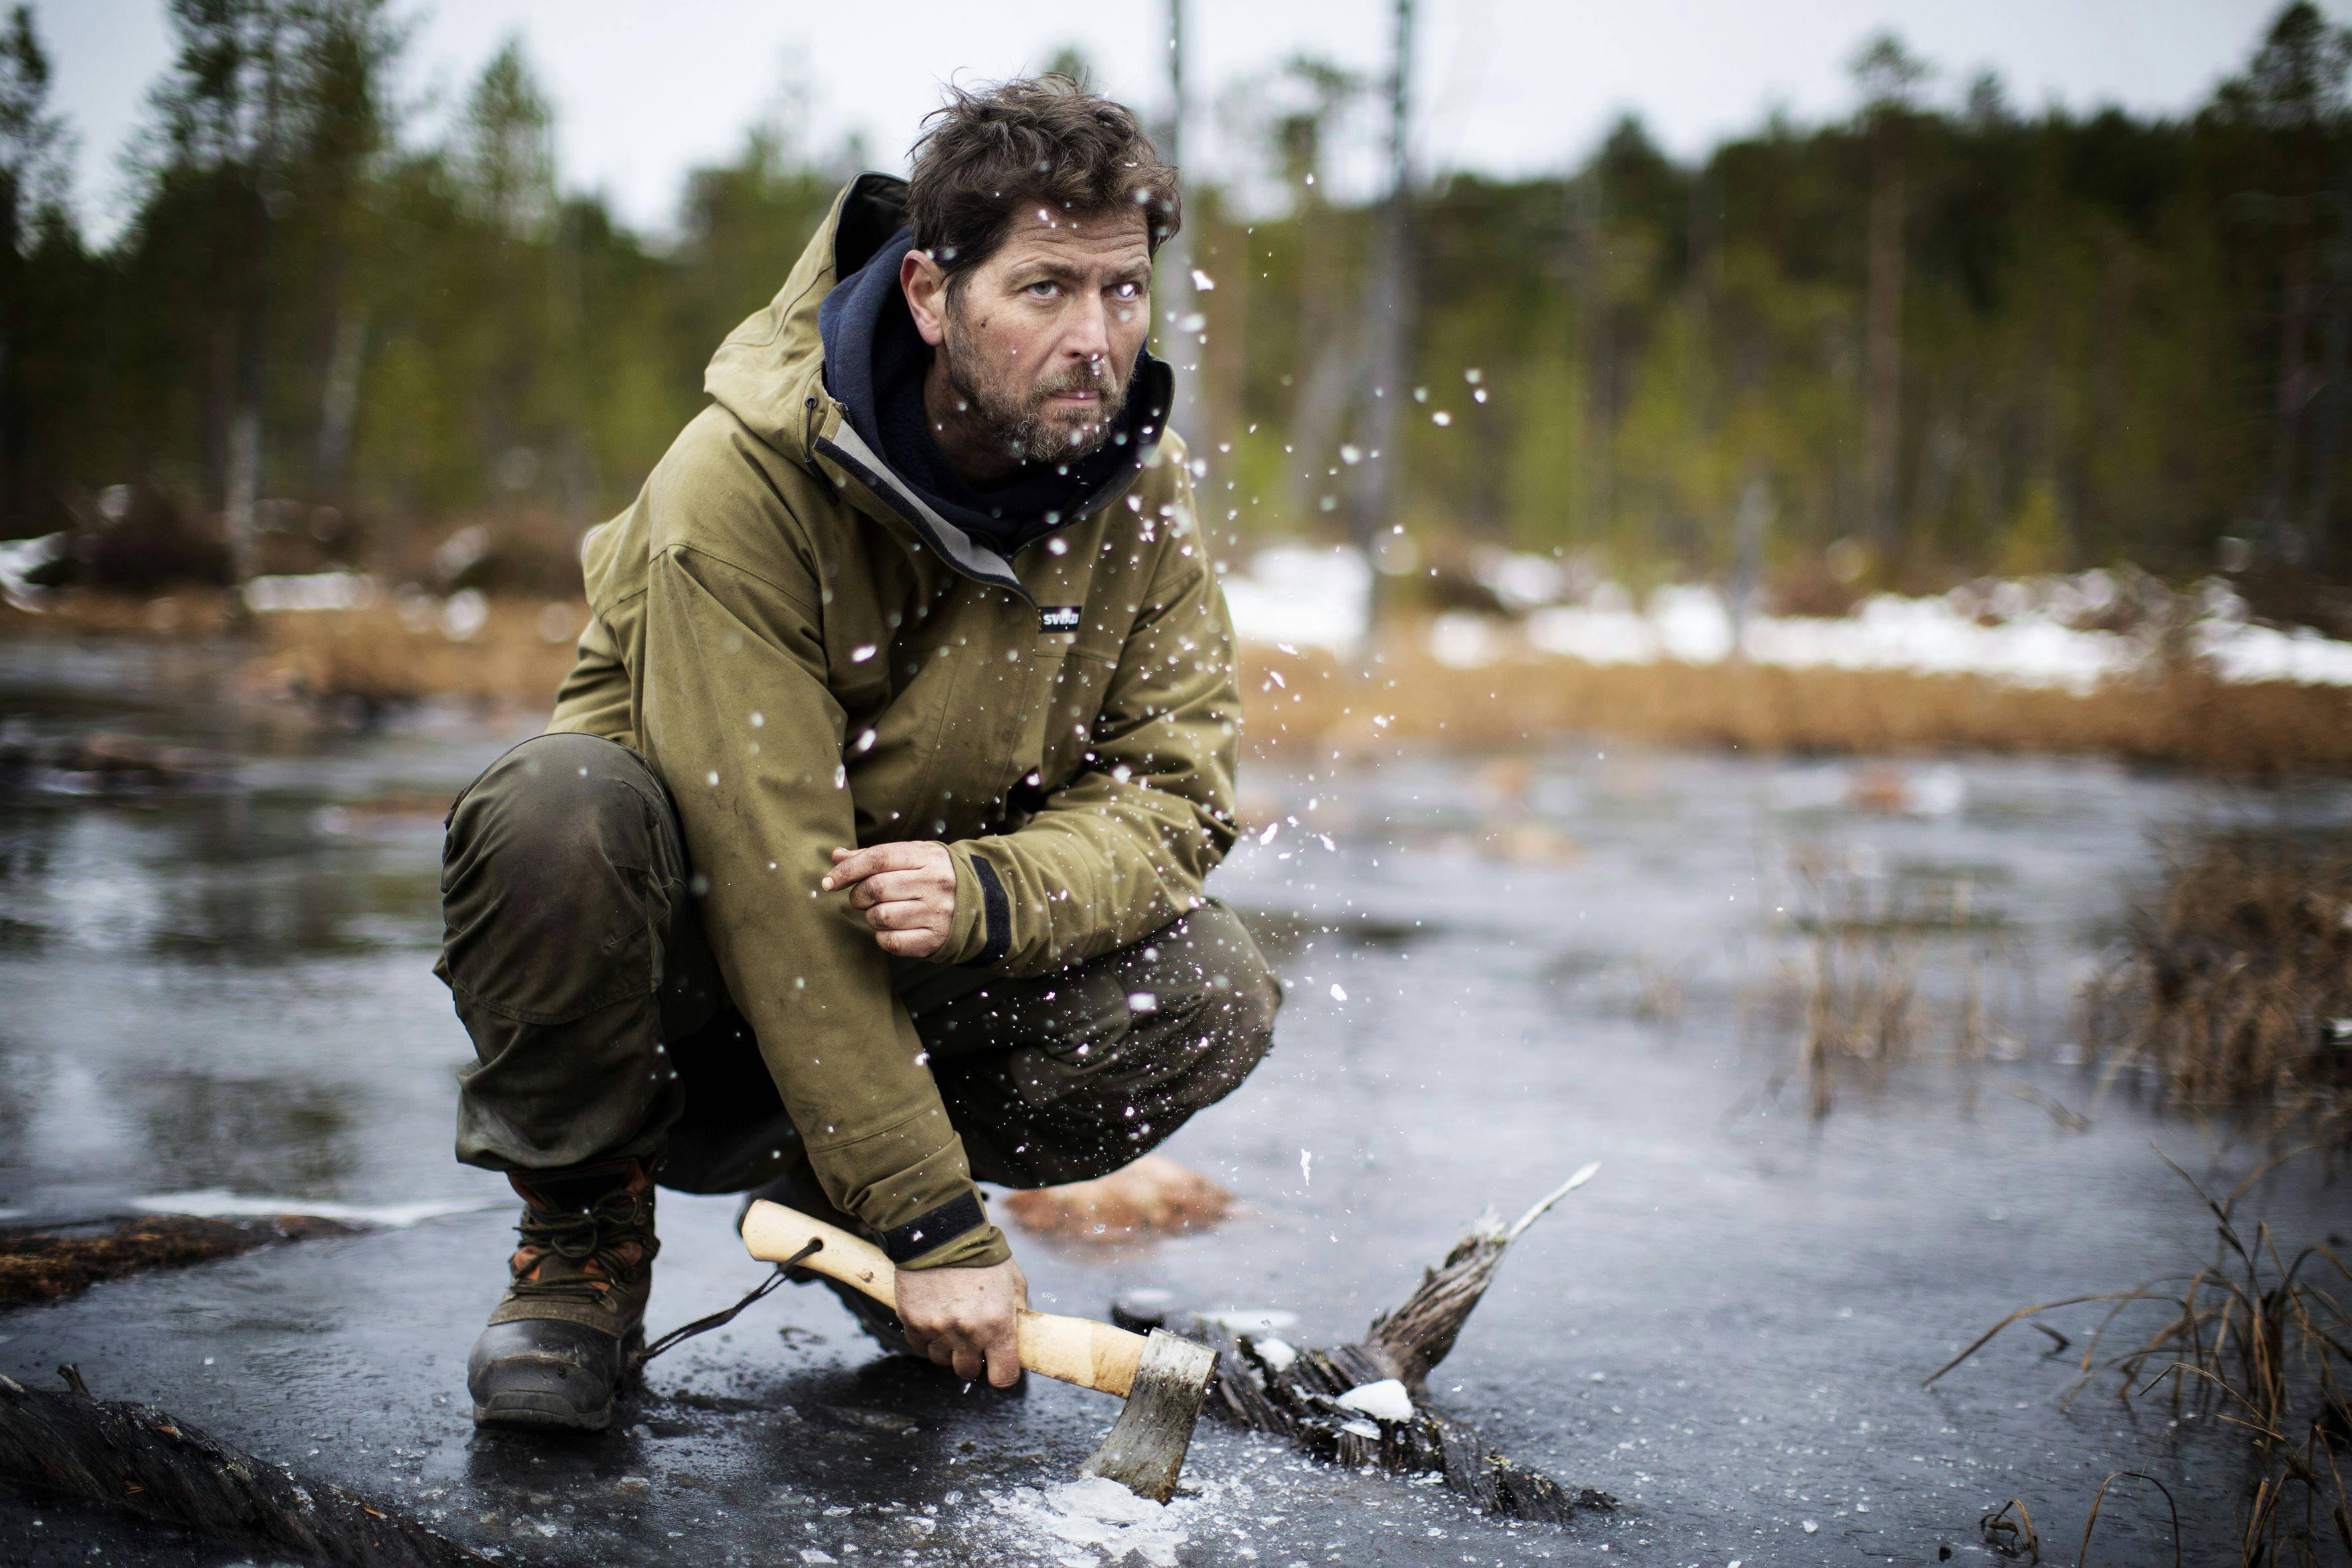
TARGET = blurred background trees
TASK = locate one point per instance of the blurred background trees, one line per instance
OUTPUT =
(1945, 340)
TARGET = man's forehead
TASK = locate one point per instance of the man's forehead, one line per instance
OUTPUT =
(1107, 236)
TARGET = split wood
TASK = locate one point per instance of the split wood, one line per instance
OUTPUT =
(159, 1470)
(1299, 1400)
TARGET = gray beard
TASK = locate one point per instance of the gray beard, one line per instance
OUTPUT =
(1020, 426)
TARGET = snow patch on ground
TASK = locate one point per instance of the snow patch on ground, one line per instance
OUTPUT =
(1302, 595)
(2020, 633)
(310, 591)
(217, 1202)
(1084, 1523)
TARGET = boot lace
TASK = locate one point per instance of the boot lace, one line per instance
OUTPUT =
(580, 1254)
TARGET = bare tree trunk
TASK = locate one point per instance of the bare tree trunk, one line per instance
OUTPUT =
(2327, 436)
(1748, 529)
(244, 501)
(1334, 364)
(248, 378)
(1883, 378)
(1596, 348)
(340, 400)
(1223, 365)
(252, 374)
(1391, 322)
(1180, 314)
(2286, 447)
(9, 479)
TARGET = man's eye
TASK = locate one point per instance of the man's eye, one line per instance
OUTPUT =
(1128, 291)
(1043, 290)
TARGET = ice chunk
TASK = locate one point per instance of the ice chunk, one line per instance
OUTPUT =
(1384, 1401)
(1099, 1513)
(1277, 1354)
(215, 1202)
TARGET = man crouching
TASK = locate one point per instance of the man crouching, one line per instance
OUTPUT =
(862, 856)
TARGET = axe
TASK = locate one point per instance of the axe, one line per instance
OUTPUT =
(1162, 1378)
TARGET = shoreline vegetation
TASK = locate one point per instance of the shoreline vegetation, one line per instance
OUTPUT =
(509, 653)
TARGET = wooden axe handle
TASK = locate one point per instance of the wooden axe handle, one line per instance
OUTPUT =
(1071, 1350)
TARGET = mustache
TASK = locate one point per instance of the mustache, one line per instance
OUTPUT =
(1095, 376)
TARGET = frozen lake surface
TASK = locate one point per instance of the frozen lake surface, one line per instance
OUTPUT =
(1494, 976)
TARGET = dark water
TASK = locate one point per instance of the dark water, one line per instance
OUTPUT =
(225, 997)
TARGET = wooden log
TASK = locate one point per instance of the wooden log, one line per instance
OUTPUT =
(159, 1470)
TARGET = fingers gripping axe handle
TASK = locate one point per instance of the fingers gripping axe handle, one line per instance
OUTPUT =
(1072, 1350)
(1163, 1379)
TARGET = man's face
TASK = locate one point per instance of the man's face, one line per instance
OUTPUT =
(1040, 339)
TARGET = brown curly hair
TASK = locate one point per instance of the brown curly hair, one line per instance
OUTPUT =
(1036, 141)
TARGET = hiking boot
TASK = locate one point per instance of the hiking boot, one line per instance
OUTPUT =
(880, 1323)
(561, 1342)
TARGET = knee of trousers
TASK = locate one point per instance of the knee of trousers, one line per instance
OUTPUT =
(557, 874)
(557, 794)
(1216, 1035)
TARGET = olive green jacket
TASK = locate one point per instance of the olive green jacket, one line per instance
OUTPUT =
(809, 656)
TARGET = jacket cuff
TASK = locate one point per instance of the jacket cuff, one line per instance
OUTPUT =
(896, 1175)
(981, 931)
(956, 1235)
(967, 930)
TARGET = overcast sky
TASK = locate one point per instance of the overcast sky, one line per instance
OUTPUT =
(644, 92)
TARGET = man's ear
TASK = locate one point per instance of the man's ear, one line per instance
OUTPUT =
(926, 287)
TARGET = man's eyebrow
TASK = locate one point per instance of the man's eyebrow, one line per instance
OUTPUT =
(1034, 268)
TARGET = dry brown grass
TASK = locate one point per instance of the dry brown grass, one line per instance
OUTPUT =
(375, 657)
(196, 613)
(2187, 718)
(1312, 700)
(2237, 988)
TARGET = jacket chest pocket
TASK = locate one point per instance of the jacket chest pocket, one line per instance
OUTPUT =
(1070, 707)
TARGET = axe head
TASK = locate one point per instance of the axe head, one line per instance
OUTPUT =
(1147, 1444)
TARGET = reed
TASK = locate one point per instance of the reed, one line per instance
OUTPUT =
(2258, 1340)
(1876, 961)
(2234, 990)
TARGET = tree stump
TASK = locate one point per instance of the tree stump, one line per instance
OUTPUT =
(1267, 1386)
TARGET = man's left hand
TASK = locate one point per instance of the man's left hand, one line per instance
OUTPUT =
(906, 891)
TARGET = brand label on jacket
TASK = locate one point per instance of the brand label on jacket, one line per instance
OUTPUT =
(1058, 617)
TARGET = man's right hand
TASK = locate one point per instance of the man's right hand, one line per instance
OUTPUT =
(966, 1319)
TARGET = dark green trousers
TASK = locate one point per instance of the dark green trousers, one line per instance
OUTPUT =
(602, 1030)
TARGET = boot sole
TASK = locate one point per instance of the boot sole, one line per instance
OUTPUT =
(540, 1413)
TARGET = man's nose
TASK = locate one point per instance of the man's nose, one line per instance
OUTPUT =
(1088, 329)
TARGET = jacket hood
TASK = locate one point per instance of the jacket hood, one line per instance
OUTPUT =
(768, 368)
(771, 373)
